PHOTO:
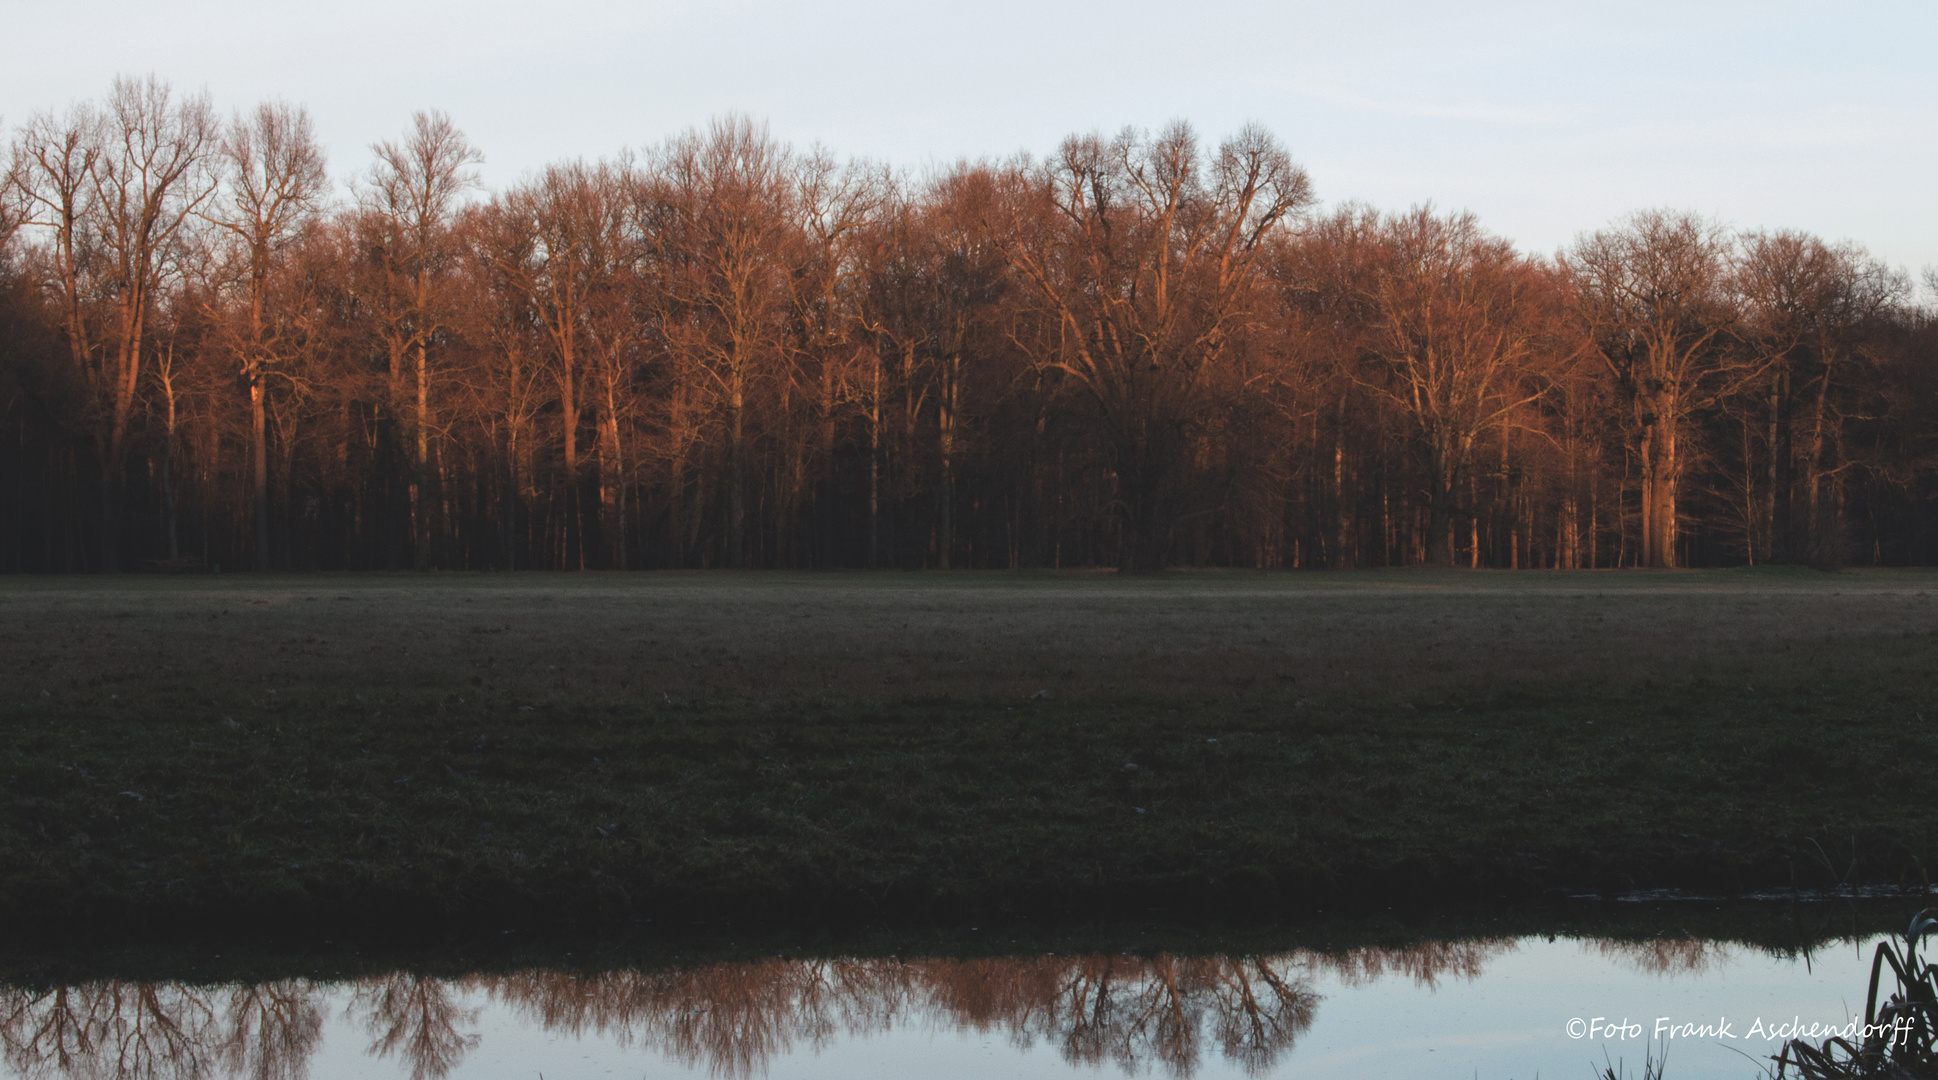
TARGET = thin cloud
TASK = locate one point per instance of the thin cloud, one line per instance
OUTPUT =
(1477, 112)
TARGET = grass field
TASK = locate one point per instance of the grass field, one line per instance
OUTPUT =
(497, 747)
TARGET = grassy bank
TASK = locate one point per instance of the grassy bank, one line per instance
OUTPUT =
(1656, 934)
(682, 746)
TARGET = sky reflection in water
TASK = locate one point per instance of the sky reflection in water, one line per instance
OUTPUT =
(1492, 1008)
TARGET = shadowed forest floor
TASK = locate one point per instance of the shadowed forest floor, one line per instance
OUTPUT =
(494, 747)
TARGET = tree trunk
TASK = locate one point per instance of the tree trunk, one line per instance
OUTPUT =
(1777, 546)
(1659, 478)
(259, 455)
(508, 512)
(736, 555)
(1821, 541)
(110, 557)
(1343, 549)
(612, 492)
(875, 468)
(420, 471)
(946, 434)
(1439, 540)
(168, 467)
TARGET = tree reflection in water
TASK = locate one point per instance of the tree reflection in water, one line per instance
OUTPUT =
(733, 1019)
(1668, 956)
(109, 1029)
(271, 1029)
(1426, 962)
(416, 1019)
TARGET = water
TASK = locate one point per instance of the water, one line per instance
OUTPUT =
(1480, 1007)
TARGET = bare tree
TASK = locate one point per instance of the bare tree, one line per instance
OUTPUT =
(411, 199)
(1652, 289)
(1459, 321)
(13, 203)
(510, 390)
(965, 273)
(1148, 261)
(150, 178)
(51, 179)
(1809, 309)
(1327, 275)
(276, 186)
(722, 237)
(112, 187)
(837, 204)
(564, 242)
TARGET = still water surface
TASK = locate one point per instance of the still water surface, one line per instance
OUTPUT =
(1483, 1008)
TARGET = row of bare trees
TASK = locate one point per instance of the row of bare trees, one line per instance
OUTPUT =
(719, 351)
(733, 1018)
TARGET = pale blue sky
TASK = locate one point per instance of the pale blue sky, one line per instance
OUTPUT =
(1547, 119)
